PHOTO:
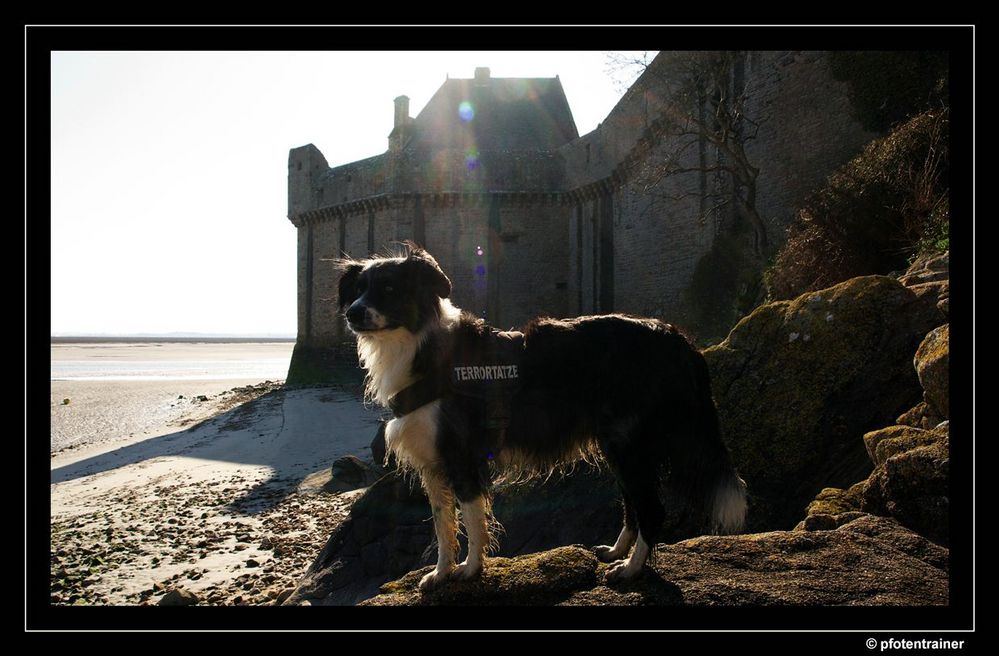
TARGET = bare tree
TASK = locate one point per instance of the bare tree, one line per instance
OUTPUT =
(701, 99)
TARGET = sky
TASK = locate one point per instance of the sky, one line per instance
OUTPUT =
(169, 170)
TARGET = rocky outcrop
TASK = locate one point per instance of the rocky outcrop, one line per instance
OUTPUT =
(869, 561)
(911, 477)
(798, 382)
(911, 480)
(929, 277)
(351, 473)
(389, 531)
(832, 508)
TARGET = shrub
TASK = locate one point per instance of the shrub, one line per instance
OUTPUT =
(874, 214)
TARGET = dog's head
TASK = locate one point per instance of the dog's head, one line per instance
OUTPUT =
(392, 292)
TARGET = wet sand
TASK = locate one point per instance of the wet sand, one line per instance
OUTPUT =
(117, 391)
(109, 412)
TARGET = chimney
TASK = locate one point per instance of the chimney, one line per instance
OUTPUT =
(401, 111)
(481, 76)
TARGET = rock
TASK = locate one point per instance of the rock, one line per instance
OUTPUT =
(870, 561)
(252, 563)
(378, 449)
(846, 517)
(388, 532)
(921, 416)
(830, 508)
(792, 411)
(934, 267)
(887, 442)
(911, 482)
(819, 522)
(179, 597)
(933, 366)
(833, 501)
(929, 277)
(541, 579)
(350, 473)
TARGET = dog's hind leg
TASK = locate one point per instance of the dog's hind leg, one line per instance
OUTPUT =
(640, 482)
(475, 517)
(445, 526)
(625, 540)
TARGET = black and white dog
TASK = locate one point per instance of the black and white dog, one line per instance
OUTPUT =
(467, 399)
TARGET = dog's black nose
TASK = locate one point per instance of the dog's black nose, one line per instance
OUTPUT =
(355, 314)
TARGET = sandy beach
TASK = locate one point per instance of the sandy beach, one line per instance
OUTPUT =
(218, 493)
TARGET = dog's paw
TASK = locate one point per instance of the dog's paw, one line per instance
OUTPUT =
(619, 572)
(606, 554)
(464, 571)
(433, 580)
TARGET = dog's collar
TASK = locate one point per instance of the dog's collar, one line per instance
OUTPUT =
(414, 397)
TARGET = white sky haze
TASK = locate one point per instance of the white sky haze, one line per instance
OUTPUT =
(169, 170)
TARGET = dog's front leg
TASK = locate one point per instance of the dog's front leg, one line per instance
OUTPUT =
(445, 526)
(475, 517)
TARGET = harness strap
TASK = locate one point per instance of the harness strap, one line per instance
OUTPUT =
(415, 396)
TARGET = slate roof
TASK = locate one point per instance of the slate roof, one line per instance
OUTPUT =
(508, 114)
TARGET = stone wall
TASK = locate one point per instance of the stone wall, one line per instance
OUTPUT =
(808, 130)
(573, 231)
(662, 227)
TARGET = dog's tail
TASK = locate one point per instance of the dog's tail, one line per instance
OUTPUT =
(728, 514)
(726, 491)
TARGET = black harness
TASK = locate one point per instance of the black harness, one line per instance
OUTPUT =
(484, 368)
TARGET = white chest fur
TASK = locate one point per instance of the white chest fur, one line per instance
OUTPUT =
(412, 438)
(388, 357)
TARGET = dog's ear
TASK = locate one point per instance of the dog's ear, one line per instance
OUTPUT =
(347, 290)
(428, 272)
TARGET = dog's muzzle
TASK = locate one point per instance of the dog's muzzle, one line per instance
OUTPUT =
(356, 315)
(362, 318)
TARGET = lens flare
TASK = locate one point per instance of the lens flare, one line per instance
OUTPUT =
(466, 112)
(478, 251)
(472, 159)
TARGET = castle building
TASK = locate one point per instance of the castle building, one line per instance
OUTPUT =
(528, 218)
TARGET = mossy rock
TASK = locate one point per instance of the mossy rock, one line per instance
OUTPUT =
(912, 482)
(798, 382)
(833, 501)
(933, 367)
(887, 442)
(865, 561)
(921, 416)
(389, 532)
(540, 579)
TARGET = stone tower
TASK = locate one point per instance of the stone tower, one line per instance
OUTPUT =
(527, 217)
